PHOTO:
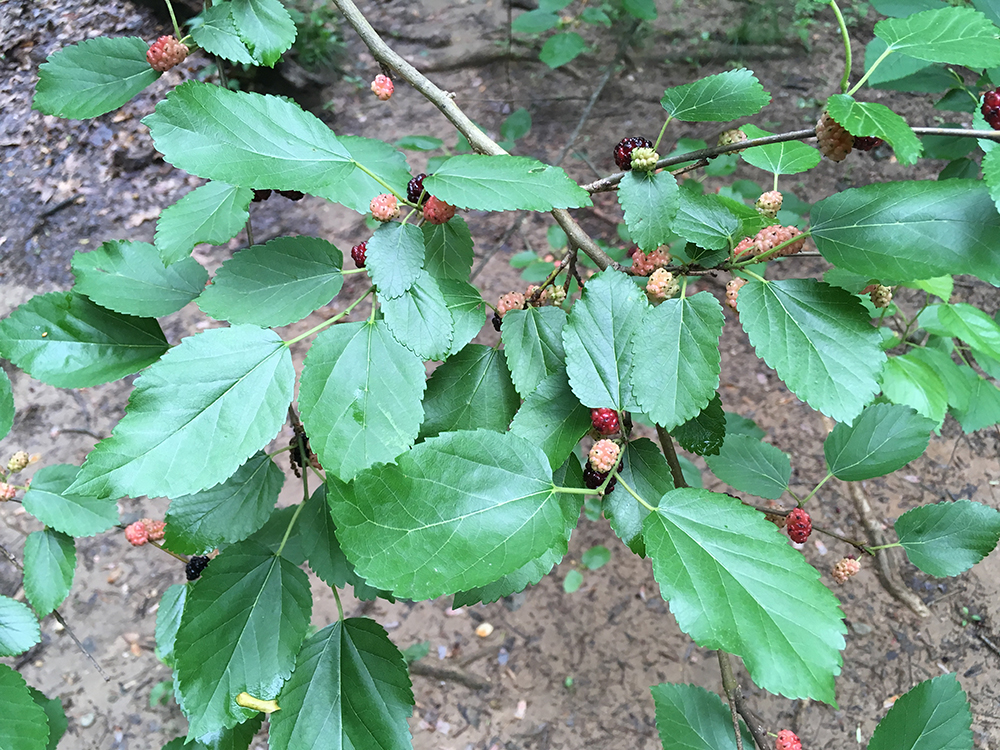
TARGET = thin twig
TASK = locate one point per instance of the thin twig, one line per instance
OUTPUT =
(737, 704)
(450, 675)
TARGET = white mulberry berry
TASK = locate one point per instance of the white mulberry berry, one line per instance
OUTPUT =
(604, 455)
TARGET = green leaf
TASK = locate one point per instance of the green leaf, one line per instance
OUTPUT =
(533, 343)
(448, 249)
(23, 725)
(689, 717)
(706, 221)
(382, 160)
(984, 404)
(213, 213)
(49, 565)
(945, 539)
(457, 511)
(911, 381)
(272, 535)
(350, 688)
(54, 713)
(6, 405)
(934, 715)
(644, 10)
(965, 322)
(129, 278)
(395, 258)
(740, 425)
(516, 125)
(76, 515)
(598, 340)
(596, 557)
(226, 513)
(903, 8)
(884, 438)
(201, 129)
(704, 433)
(955, 378)
(265, 27)
(168, 620)
(65, 340)
(527, 575)
(236, 738)
(749, 465)
(956, 36)
(419, 319)
(818, 339)
(718, 98)
(573, 581)
(940, 286)
(321, 548)
(991, 174)
(217, 35)
(901, 72)
(646, 471)
(467, 310)
(869, 118)
(93, 77)
(504, 183)
(208, 405)
(675, 378)
(274, 284)
(650, 202)
(243, 624)
(360, 397)
(534, 22)
(790, 157)
(559, 49)
(419, 143)
(471, 390)
(733, 583)
(901, 231)
(18, 627)
(552, 418)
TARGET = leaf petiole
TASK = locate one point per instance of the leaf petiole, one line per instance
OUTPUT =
(346, 311)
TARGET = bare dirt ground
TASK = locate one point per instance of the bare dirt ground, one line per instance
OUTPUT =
(562, 671)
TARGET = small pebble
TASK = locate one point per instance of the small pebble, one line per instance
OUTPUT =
(484, 630)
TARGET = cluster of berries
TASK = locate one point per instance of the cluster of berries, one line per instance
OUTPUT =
(769, 238)
(662, 285)
(991, 108)
(787, 740)
(165, 53)
(535, 296)
(627, 146)
(733, 287)
(17, 462)
(799, 526)
(845, 568)
(879, 294)
(643, 264)
(145, 530)
(7, 492)
(600, 462)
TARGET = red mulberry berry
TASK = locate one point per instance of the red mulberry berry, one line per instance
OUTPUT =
(644, 264)
(165, 53)
(867, 142)
(437, 211)
(195, 566)
(623, 151)
(137, 534)
(799, 526)
(769, 204)
(733, 287)
(769, 238)
(384, 207)
(415, 190)
(991, 108)
(605, 421)
(510, 301)
(604, 455)
(17, 462)
(730, 137)
(358, 254)
(845, 568)
(834, 140)
(787, 741)
(382, 87)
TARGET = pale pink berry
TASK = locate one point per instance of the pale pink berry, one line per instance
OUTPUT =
(137, 534)
(845, 568)
(154, 529)
(644, 264)
(165, 53)
(769, 204)
(733, 287)
(604, 455)
(787, 740)
(662, 285)
(384, 207)
(7, 492)
(382, 87)
(510, 301)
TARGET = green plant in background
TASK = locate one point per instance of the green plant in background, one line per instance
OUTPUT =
(467, 483)
(318, 43)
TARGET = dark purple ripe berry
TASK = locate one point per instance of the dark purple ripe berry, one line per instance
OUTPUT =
(623, 151)
(991, 108)
(358, 254)
(592, 478)
(415, 190)
(496, 321)
(195, 566)
(867, 142)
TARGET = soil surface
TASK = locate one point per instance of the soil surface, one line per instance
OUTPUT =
(563, 671)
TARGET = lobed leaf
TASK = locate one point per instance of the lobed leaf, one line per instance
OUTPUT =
(734, 583)
(195, 417)
(213, 213)
(675, 367)
(883, 438)
(945, 539)
(93, 77)
(717, 98)
(65, 340)
(76, 515)
(456, 512)
(650, 201)
(934, 715)
(274, 284)
(129, 278)
(24, 725)
(818, 339)
(749, 465)
(360, 397)
(242, 626)
(49, 565)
